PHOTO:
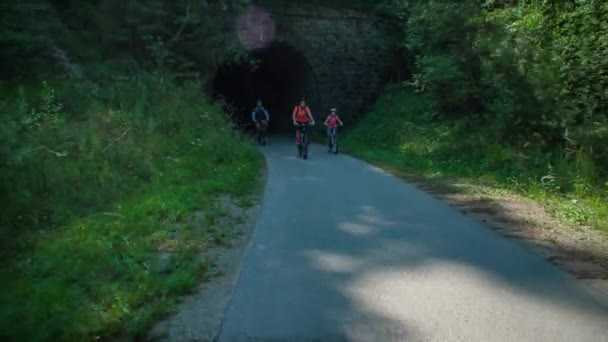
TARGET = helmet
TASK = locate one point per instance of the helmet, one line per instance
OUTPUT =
(333, 110)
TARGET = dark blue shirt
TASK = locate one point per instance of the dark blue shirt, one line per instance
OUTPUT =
(256, 110)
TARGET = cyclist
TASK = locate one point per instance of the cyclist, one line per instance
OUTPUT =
(301, 115)
(260, 124)
(332, 122)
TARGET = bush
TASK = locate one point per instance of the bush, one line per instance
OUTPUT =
(96, 188)
(518, 92)
(402, 131)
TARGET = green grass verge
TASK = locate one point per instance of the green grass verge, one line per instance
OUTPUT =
(115, 249)
(401, 132)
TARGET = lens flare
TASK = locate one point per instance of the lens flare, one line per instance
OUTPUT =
(255, 28)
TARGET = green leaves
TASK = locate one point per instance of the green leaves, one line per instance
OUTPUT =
(440, 35)
(121, 186)
(519, 94)
(535, 66)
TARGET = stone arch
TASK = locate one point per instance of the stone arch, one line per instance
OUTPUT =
(281, 78)
(287, 35)
(345, 58)
(348, 52)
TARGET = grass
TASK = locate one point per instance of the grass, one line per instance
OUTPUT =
(401, 132)
(115, 249)
(104, 275)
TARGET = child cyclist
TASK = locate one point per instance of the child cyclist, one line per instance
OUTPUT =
(332, 122)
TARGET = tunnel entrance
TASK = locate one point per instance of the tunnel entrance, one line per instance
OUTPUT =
(280, 79)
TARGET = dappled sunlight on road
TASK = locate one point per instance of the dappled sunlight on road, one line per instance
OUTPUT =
(377, 170)
(445, 299)
(370, 258)
(332, 262)
(370, 215)
(357, 229)
(440, 291)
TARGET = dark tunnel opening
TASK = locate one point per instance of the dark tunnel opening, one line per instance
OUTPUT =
(279, 80)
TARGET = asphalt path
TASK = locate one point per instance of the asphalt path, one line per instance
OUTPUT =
(343, 251)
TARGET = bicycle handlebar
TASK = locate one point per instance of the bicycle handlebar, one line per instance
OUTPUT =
(297, 124)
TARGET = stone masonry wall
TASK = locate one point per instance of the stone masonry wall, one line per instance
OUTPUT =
(347, 52)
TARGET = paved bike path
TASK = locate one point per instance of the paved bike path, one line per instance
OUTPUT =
(345, 252)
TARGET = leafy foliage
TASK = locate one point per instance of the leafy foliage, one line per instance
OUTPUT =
(531, 69)
(402, 131)
(517, 91)
(107, 146)
(94, 190)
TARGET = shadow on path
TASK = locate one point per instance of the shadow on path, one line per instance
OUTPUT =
(344, 251)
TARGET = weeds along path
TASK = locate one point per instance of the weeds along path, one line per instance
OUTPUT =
(112, 203)
(343, 250)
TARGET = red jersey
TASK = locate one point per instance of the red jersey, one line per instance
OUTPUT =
(332, 120)
(301, 113)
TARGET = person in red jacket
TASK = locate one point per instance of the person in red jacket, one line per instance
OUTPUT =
(301, 116)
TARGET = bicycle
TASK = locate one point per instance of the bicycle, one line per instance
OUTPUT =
(304, 140)
(261, 132)
(333, 143)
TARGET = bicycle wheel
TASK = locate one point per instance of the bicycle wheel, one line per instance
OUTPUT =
(335, 143)
(305, 143)
(258, 136)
